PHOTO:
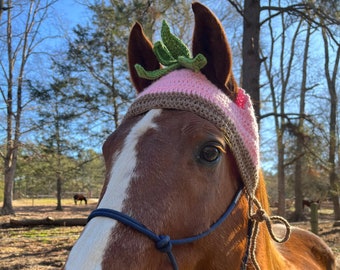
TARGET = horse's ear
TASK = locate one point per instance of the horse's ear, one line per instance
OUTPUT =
(210, 40)
(140, 52)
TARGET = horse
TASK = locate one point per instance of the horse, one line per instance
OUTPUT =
(308, 203)
(183, 186)
(79, 197)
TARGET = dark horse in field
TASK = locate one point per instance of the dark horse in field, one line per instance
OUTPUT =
(79, 197)
(309, 203)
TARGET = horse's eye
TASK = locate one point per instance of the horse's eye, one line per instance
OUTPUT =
(210, 153)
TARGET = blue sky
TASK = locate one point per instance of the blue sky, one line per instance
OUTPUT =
(71, 12)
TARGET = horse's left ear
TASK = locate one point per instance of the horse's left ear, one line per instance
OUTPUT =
(210, 40)
(140, 52)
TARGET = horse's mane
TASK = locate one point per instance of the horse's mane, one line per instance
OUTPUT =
(262, 195)
(269, 254)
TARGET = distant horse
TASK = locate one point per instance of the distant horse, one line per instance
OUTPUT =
(308, 203)
(79, 197)
(183, 187)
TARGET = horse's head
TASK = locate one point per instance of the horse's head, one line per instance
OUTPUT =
(187, 145)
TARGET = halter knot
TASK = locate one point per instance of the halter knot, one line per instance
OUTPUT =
(259, 215)
(164, 243)
(256, 217)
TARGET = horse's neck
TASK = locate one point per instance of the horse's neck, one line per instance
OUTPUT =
(232, 239)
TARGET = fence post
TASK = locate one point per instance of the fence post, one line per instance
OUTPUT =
(314, 217)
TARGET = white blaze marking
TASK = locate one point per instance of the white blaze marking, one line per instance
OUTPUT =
(88, 252)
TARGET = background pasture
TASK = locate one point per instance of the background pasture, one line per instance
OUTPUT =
(46, 247)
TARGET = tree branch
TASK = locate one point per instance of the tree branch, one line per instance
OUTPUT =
(238, 7)
(309, 12)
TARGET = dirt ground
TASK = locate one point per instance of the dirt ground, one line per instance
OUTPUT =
(42, 248)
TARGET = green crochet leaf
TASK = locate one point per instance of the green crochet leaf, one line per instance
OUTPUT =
(155, 74)
(174, 44)
(172, 54)
(163, 55)
(195, 64)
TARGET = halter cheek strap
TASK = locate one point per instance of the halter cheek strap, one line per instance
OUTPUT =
(163, 242)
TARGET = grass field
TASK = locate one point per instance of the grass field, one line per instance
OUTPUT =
(42, 202)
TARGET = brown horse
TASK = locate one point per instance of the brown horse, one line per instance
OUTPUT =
(309, 203)
(79, 197)
(180, 180)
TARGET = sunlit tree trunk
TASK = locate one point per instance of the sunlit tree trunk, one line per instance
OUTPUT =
(14, 70)
(12, 136)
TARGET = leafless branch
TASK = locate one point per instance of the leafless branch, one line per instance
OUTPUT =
(309, 12)
(237, 6)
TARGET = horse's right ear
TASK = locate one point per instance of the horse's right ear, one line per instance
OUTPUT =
(140, 52)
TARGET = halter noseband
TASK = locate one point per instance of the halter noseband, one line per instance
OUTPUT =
(163, 242)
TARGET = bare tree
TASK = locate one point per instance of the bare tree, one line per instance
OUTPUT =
(292, 11)
(279, 98)
(300, 135)
(21, 41)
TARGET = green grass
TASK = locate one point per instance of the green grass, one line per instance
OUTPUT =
(41, 202)
(326, 211)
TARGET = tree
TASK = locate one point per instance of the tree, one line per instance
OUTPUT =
(251, 64)
(304, 12)
(97, 54)
(300, 134)
(279, 98)
(331, 78)
(37, 170)
(19, 44)
(56, 120)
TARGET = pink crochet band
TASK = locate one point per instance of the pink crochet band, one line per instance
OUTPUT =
(191, 91)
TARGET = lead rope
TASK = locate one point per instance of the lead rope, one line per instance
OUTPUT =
(259, 216)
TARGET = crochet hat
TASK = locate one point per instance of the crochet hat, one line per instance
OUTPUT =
(191, 91)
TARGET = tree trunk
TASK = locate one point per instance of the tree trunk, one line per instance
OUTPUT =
(13, 69)
(333, 177)
(10, 158)
(59, 189)
(298, 213)
(251, 62)
(7, 208)
(281, 179)
(48, 221)
(331, 83)
(59, 154)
